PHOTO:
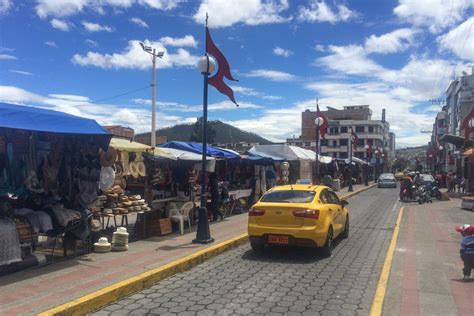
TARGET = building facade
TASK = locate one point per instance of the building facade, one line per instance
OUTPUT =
(375, 133)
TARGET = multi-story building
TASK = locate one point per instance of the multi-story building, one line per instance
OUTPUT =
(119, 130)
(375, 133)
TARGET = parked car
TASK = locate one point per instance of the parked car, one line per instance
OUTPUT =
(387, 180)
(298, 215)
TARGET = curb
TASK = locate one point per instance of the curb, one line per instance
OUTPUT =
(345, 197)
(114, 292)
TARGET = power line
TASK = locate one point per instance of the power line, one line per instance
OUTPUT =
(119, 95)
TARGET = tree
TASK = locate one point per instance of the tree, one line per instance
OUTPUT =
(196, 135)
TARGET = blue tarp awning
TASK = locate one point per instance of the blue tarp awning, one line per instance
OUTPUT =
(42, 120)
(261, 157)
(197, 148)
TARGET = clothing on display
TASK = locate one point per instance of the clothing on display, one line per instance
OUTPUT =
(10, 250)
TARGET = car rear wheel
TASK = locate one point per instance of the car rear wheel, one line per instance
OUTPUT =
(327, 248)
(258, 248)
(345, 233)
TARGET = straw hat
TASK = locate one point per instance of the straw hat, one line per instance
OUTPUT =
(133, 167)
(107, 178)
(102, 245)
(125, 162)
(118, 168)
(141, 168)
(121, 182)
(95, 225)
(107, 158)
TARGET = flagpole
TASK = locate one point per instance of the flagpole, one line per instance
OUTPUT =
(350, 163)
(203, 234)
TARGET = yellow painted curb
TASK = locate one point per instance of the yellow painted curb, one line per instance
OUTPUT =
(112, 293)
(379, 297)
(345, 197)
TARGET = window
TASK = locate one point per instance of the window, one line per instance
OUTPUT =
(324, 142)
(343, 129)
(323, 196)
(334, 130)
(342, 155)
(307, 144)
(343, 142)
(360, 129)
(334, 143)
(371, 129)
(332, 197)
(289, 196)
(361, 142)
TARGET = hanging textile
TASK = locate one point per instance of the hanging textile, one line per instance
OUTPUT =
(10, 250)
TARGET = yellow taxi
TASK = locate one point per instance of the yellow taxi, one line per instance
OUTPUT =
(298, 215)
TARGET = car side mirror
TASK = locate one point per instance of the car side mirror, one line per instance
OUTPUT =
(344, 203)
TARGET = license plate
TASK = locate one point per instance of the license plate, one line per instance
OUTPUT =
(278, 239)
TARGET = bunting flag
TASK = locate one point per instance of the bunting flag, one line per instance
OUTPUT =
(325, 125)
(223, 69)
(369, 150)
(354, 139)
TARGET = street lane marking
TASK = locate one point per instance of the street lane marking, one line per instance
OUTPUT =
(379, 297)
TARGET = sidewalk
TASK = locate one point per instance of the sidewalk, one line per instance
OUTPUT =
(426, 274)
(40, 289)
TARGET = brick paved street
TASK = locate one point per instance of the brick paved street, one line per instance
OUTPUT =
(282, 281)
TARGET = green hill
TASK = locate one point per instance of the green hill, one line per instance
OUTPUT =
(224, 133)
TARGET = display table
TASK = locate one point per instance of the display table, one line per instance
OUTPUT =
(234, 200)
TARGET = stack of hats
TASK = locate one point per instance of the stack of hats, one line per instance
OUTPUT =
(120, 240)
(102, 245)
(119, 203)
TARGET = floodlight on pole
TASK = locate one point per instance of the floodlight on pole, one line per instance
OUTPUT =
(154, 54)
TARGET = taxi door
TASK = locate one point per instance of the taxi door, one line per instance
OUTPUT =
(325, 200)
(337, 211)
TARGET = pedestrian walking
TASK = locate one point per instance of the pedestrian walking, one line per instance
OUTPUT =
(467, 249)
(215, 197)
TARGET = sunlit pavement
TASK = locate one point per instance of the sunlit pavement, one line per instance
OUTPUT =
(426, 271)
(283, 281)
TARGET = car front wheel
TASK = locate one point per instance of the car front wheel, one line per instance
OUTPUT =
(345, 233)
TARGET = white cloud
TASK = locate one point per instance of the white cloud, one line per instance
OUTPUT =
(133, 57)
(139, 22)
(459, 40)
(250, 12)
(17, 95)
(63, 8)
(50, 44)
(434, 14)
(186, 41)
(21, 72)
(91, 43)
(272, 75)
(7, 57)
(177, 107)
(5, 6)
(393, 42)
(320, 11)
(320, 48)
(94, 27)
(282, 52)
(252, 92)
(60, 25)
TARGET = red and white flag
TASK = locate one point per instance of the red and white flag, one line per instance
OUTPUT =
(354, 138)
(223, 69)
(325, 125)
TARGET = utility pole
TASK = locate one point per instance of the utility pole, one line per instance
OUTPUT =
(154, 54)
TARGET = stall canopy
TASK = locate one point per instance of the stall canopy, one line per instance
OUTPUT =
(355, 160)
(161, 154)
(197, 149)
(127, 145)
(286, 152)
(42, 120)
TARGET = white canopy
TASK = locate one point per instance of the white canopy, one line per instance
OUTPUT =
(178, 154)
(288, 152)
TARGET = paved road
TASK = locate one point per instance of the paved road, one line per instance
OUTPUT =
(282, 281)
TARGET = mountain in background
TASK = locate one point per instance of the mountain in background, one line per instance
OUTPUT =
(224, 133)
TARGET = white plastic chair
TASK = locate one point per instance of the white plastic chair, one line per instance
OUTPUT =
(182, 215)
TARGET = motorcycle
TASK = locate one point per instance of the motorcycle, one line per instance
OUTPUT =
(434, 191)
(408, 194)
(423, 195)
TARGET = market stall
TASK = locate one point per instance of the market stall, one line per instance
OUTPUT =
(49, 181)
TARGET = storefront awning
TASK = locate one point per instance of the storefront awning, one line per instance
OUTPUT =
(286, 152)
(456, 140)
(197, 149)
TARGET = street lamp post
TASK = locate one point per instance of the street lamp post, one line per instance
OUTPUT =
(366, 167)
(154, 54)
(441, 155)
(376, 152)
(203, 235)
(350, 189)
(318, 121)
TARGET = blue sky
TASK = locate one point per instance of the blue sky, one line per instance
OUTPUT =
(64, 54)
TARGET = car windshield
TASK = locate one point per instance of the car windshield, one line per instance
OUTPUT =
(289, 196)
(386, 176)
